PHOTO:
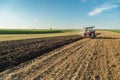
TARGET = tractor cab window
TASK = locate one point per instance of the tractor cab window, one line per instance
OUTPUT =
(91, 28)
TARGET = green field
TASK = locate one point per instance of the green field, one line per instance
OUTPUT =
(15, 34)
(117, 31)
(32, 31)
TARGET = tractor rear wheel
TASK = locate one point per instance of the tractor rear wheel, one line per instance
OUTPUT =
(93, 35)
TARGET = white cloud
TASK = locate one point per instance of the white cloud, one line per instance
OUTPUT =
(101, 9)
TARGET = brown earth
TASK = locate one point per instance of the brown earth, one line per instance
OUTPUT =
(85, 59)
(13, 53)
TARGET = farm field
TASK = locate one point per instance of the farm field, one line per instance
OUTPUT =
(117, 31)
(9, 34)
(62, 58)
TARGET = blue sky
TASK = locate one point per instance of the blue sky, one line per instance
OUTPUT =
(59, 14)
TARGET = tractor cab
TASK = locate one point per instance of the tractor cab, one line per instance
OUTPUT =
(89, 32)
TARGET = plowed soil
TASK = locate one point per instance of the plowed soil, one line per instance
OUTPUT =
(12, 53)
(85, 59)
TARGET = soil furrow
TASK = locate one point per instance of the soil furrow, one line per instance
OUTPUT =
(60, 58)
(72, 62)
(81, 58)
(43, 59)
(27, 52)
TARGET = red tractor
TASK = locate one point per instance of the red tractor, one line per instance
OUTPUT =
(89, 32)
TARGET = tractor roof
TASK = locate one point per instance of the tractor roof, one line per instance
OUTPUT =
(90, 27)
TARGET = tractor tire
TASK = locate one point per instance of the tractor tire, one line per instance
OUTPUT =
(92, 35)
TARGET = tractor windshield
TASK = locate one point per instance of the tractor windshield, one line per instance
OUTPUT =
(88, 29)
(91, 28)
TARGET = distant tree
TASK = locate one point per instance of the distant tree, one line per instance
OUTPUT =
(50, 28)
